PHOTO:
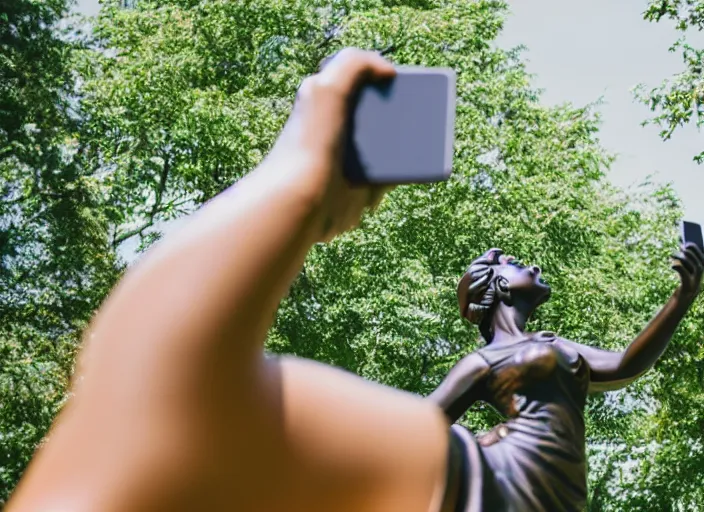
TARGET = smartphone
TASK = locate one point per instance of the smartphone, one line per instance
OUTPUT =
(692, 232)
(403, 130)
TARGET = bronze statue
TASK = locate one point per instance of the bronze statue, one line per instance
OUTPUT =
(536, 460)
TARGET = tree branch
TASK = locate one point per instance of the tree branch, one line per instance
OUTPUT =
(133, 232)
(156, 207)
(163, 177)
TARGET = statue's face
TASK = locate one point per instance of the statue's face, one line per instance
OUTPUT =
(523, 280)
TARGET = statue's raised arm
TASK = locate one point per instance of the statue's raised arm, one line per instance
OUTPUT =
(614, 370)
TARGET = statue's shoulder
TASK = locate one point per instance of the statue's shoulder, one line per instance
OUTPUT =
(570, 349)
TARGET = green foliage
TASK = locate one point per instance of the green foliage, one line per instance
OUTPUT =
(32, 68)
(55, 262)
(180, 98)
(679, 100)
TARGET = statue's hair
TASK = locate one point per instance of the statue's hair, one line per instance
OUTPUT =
(476, 292)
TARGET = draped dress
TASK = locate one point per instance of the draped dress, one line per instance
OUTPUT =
(535, 461)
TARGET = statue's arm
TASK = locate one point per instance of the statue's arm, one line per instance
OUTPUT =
(462, 387)
(614, 370)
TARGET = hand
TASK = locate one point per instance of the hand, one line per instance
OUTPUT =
(312, 142)
(689, 264)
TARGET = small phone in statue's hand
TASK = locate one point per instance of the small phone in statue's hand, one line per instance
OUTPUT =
(691, 232)
(402, 130)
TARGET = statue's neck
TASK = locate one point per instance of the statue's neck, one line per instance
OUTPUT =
(508, 325)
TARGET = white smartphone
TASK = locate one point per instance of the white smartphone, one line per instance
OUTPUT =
(403, 130)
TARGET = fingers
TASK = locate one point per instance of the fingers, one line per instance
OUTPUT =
(690, 259)
(349, 68)
(684, 275)
(689, 264)
(695, 253)
(682, 264)
(327, 93)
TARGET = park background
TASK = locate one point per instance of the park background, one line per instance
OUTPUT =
(111, 135)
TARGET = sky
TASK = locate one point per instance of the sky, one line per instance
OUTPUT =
(583, 51)
(88, 7)
(587, 50)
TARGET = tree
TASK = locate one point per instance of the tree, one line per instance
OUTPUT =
(55, 263)
(679, 100)
(179, 98)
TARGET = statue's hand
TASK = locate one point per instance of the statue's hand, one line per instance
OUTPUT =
(530, 365)
(689, 264)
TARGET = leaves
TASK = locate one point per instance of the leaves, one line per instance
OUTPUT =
(174, 100)
(679, 100)
(55, 262)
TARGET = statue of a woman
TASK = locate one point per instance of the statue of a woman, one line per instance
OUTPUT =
(536, 460)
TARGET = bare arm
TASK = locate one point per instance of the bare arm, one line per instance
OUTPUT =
(461, 388)
(614, 370)
(175, 402)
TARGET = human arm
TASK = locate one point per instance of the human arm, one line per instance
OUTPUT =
(615, 370)
(175, 407)
(461, 387)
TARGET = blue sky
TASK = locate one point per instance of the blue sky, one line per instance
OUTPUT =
(583, 51)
